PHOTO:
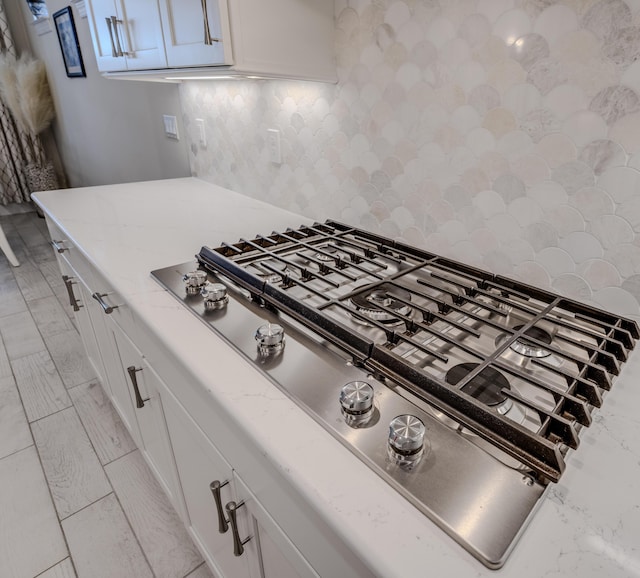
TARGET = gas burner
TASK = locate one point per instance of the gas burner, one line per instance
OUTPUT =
(529, 349)
(383, 295)
(487, 386)
(266, 270)
(324, 257)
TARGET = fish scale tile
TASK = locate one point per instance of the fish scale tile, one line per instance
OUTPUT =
(496, 131)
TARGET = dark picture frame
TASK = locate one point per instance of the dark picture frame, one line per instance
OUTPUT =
(66, 29)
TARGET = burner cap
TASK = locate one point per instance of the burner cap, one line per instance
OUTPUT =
(528, 349)
(486, 387)
(324, 256)
(268, 274)
(383, 295)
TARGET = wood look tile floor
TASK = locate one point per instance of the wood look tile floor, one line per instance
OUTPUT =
(76, 497)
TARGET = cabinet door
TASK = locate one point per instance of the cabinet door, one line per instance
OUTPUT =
(102, 34)
(143, 388)
(195, 36)
(126, 34)
(79, 302)
(278, 556)
(141, 34)
(199, 465)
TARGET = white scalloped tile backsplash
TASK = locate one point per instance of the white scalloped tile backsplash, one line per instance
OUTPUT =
(502, 133)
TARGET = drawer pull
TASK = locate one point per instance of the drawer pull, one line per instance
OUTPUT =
(238, 544)
(215, 486)
(131, 370)
(57, 245)
(105, 306)
(72, 298)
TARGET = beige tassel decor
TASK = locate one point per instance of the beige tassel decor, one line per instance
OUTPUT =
(25, 91)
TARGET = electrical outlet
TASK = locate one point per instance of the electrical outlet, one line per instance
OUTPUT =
(273, 142)
(170, 126)
(202, 134)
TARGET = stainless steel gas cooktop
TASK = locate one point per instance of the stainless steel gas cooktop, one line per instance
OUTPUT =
(462, 389)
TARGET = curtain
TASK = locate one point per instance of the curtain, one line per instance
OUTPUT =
(13, 152)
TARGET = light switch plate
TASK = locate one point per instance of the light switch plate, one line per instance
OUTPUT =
(170, 126)
(202, 134)
(273, 142)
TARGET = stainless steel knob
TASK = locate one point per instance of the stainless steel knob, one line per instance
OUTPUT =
(215, 295)
(356, 401)
(194, 281)
(406, 438)
(270, 338)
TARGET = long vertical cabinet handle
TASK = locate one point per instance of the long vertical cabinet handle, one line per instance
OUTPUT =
(114, 23)
(113, 44)
(215, 486)
(131, 370)
(238, 544)
(208, 40)
(72, 298)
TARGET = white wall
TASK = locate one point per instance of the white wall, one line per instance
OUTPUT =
(107, 131)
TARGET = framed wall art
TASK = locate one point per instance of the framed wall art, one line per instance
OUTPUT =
(38, 8)
(66, 29)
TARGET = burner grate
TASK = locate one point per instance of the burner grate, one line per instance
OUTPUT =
(443, 311)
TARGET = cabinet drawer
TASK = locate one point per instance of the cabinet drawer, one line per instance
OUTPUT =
(66, 251)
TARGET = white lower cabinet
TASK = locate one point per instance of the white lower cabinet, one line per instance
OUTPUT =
(141, 393)
(207, 485)
(237, 536)
(79, 301)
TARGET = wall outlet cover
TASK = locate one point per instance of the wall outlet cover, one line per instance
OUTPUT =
(170, 126)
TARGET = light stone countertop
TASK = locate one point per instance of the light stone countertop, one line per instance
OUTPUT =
(588, 524)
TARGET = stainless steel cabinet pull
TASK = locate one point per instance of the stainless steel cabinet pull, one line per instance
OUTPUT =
(114, 23)
(105, 306)
(136, 390)
(238, 544)
(72, 298)
(208, 40)
(113, 44)
(57, 245)
(215, 486)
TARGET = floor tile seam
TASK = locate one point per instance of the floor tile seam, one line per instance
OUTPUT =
(93, 503)
(190, 573)
(95, 380)
(93, 447)
(135, 449)
(44, 472)
(127, 517)
(54, 332)
(53, 504)
(60, 519)
(54, 565)
(14, 452)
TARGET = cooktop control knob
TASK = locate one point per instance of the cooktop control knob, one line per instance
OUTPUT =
(215, 295)
(270, 338)
(356, 401)
(194, 281)
(406, 439)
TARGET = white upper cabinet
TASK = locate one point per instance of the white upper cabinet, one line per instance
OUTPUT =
(127, 34)
(196, 33)
(170, 40)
